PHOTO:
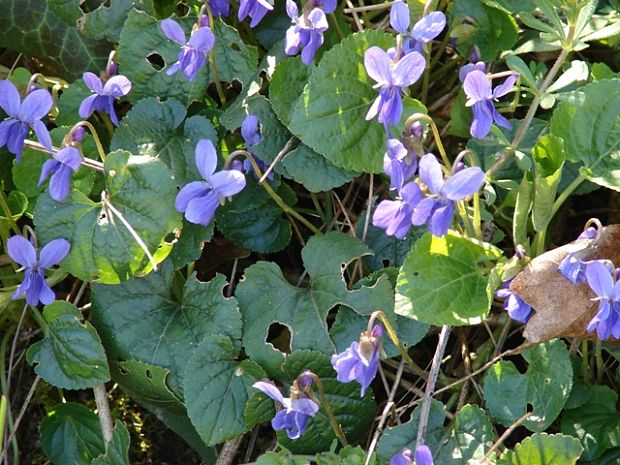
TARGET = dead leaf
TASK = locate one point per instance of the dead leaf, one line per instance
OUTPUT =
(563, 309)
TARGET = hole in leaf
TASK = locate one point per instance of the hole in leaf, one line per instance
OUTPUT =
(149, 374)
(235, 47)
(279, 336)
(156, 61)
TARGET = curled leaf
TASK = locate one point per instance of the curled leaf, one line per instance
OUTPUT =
(563, 309)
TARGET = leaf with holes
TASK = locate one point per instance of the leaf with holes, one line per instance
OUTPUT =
(102, 247)
(217, 388)
(446, 279)
(160, 319)
(266, 297)
(71, 433)
(160, 130)
(70, 356)
(543, 449)
(588, 120)
(147, 385)
(144, 55)
(545, 387)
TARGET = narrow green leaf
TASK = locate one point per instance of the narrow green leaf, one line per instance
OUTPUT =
(521, 213)
(515, 63)
(548, 155)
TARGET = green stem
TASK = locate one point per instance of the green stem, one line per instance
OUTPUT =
(277, 199)
(585, 364)
(565, 194)
(213, 66)
(422, 117)
(328, 410)
(525, 124)
(93, 132)
(392, 334)
(7, 211)
(600, 364)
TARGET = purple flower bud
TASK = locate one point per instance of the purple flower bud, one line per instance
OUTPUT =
(219, 7)
(198, 200)
(203, 21)
(417, 130)
(23, 116)
(423, 456)
(34, 285)
(111, 68)
(77, 134)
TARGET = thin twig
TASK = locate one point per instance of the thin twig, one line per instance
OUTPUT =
(356, 18)
(103, 412)
(286, 149)
(229, 291)
(88, 162)
(21, 413)
(228, 451)
(386, 411)
(430, 384)
(504, 436)
(361, 9)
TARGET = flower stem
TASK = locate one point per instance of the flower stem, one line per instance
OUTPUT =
(422, 117)
(93, 132)
(7, 212)
(568, 46)
(212, 65)
(430, 384)
(277, 199)
(394, 338)
(103, 412)
(328, 410)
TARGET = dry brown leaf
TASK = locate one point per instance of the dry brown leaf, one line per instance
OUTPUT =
(563, 309)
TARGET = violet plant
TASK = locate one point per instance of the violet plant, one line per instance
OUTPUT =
(391, 264)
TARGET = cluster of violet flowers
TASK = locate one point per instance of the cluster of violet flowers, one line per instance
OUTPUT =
(27, 114)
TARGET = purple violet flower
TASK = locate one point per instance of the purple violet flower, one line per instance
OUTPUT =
(104, 95)
(392, 77)
(22, 116)
(602, 281)
(477, 87)
(425, 30)
(517, 309)
(437, 209)
(399, 164)
(34, 285)
(64, 163)
(294, 417)
(395, 215)
(306, 32)
(199, 199)
(192, 55)
(255, 9)
(573, 267)
(360, 361)
(219, 7)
